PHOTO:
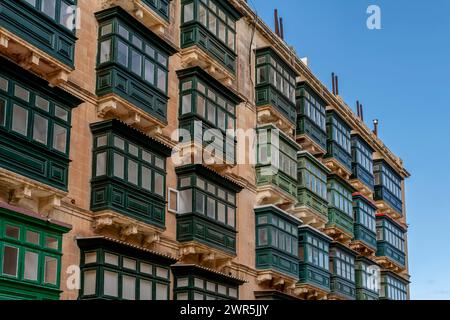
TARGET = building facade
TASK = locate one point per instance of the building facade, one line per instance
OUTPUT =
(102, 195)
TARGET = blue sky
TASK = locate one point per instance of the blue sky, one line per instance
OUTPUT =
(401, 74)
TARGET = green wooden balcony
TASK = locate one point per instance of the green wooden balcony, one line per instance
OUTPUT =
(311, 119)
(338, 145)
(114, 270)
(48, 27)
(393, 287)
(161, 7)
(276, 168)
(365, 223)
(207, 104)
(312, 202)
(388, 189)
(362, 163)
(128, 172)
(193, 282)
(276, 240)
(342, 264)
(35, 122)
(340, 216)
(132, 69)
(275, 90)
(390, 243)
(211, 26)
(30, 255)
(207, 213)
(314, 274)
(367, 279)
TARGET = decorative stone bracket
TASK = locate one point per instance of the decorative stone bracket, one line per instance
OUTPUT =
(33, 59)
(127, 229)
(200, 254)
(194, 56)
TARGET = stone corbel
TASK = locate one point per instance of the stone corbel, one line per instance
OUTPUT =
(261, 197)
(4, 41)
(46, 205)
(133, 119)
(263, 278)
(103, 222)
(58, 77)
(29, 61)
(185, 251)
(154, 130)
(105, 107)
(128, 231)
(150, 239)
(23, 197)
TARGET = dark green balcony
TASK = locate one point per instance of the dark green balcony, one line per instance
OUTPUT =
(312, 184)
(128, 172)
(339, 141)
(275, 85)
(390, 242)
(276, 240)
(388, 187)
(114, 270)
(367, 279)
(30, 255)
(276, 168)
(342, 264)
(194, 282)
(340, 207)
(206, 104)
(132, 64)
(161, 7)
(314, 259)
(48, 26)
(362, 162)
(211, 26)
(393, 287)
(207, 210)
(311, 118)
(365, 224)
(35, 126)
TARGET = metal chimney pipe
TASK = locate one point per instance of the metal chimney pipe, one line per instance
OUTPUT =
(281, 28)
(332, 83)
(337, 85)
(375, 127)
(361, 112)
(277, 28)
(357, 109)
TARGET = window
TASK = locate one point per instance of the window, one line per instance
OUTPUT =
(340, 197)
(387, 178)
(188, 12)
(90, 279)
(209, 199)
(48, 7)
(131, 163)
(278, 152)
(20, 120)
(313, 109)
(2, 112)
(362, 155)
(365, 214)
(340, 133)
(393, 288)
(214, 110)
(315, 251)
(314, 179)
(344, 265)
(278, 233)
(111, 280)
(25, 256)
(138, 55)
(40, 129)
(391, 233)
(10, 260)
(268, 70)
(31, 266)
(203, 289)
